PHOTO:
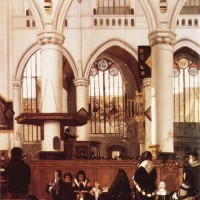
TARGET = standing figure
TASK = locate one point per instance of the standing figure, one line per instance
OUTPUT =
(56, 190)
(119, 189)
(68, 192)
(18, 175)
(161, 194)
(82, 186)
(145, 177)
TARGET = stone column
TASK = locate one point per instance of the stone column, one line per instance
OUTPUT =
(147, 107)
(17, 137)
(82, 99)
(52, 86)
(162, 42)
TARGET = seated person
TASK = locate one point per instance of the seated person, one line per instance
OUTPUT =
(186, 190)
(82, 186)
(190, 188)
(56, 188)
(119, 189)
(68, 192)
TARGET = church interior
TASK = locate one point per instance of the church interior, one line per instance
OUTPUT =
(91, 84)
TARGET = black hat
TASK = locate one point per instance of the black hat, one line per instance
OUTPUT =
(193, 153)
(16, 152)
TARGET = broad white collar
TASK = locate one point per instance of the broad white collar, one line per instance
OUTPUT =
(148, 165)
(78, 183)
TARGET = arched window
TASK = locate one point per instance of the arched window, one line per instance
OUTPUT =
(196, 22)
(95, 22)
(27, 23)
(33, 23)
(113, 22)
(132, 11)
(101, 22)
(106, 98)
(119, 22)
(132, 22)
(189, 22)
(66, 23)
(186, 102)
(126, 22)
(183, 22)
(107, 22)
(94, 11)
(31, 95)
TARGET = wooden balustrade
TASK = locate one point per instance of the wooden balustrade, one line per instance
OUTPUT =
(103, 171)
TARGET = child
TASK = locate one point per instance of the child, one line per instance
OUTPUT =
(96, 191)
(162, 192)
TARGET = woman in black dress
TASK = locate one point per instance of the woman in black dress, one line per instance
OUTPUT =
(119, 189)
(82, 186)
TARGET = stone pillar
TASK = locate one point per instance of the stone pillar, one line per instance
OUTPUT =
(52, 86)
(162, 42)
(17, 137)
(147, 109)
(82, 99)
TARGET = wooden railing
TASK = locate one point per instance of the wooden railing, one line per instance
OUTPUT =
(103, 171)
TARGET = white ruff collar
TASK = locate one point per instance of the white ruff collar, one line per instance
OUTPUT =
(148, 165)
(78, 183)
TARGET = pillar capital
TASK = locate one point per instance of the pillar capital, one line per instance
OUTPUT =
(147, 82)
(81, 82)
(52, 37)
(17, 84)
(162, 37)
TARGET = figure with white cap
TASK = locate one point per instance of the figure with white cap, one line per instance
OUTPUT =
(162, 193)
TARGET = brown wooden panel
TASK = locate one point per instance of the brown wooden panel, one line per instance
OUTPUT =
(105, 175)
(103, 171)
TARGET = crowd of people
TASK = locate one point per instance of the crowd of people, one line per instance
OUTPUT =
(66, 187)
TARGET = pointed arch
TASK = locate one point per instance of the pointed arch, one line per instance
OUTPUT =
(36, 11)
(24, 59)
(71, 62)
(151, 16)
(103, 47)
(60, 14)
(175, 12)
(187, 42)
(30, 51)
